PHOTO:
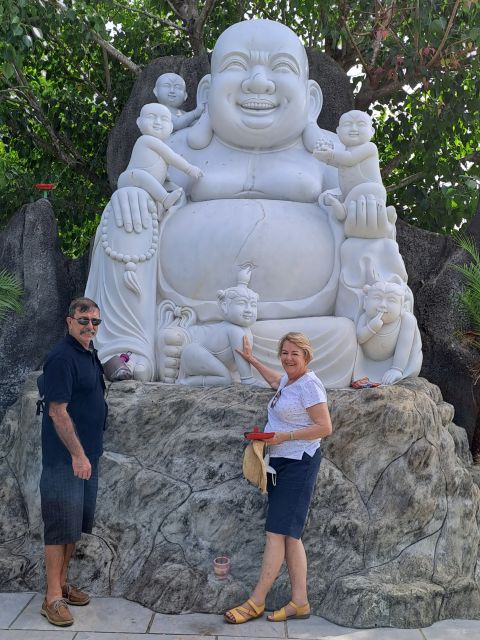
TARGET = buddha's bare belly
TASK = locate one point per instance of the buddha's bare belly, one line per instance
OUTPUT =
(293, 248)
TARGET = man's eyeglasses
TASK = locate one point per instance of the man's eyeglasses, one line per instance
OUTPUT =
(85, 321)
(275, 398)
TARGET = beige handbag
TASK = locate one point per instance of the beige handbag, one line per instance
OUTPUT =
(256, 465)
(254, 469)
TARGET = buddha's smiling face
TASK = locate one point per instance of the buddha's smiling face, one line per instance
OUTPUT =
(259, 86)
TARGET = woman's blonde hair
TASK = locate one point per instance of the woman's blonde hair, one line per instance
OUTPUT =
(300, 340)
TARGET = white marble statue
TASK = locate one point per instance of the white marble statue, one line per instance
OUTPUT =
(151, 157)
(358, 164)
(170, 90)
(209, 357)
(257, 203)
(387, 334)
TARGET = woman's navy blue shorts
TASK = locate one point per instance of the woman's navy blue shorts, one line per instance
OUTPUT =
(289, 499)
(68, 503)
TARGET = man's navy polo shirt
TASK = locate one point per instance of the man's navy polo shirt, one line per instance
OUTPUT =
(74, 375)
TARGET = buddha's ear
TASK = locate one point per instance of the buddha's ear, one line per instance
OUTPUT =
(315, 100)
(312, 132)
(203, 89)
(200, 134)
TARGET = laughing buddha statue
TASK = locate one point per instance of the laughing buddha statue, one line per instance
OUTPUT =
(256, 203)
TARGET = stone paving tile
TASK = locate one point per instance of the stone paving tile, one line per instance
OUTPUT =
(10, 606)
(91, 635)
(119, 619)
(244, 637)
(315, 627)
(38, 635)
(383, 633)
(318, 628)
(209, 625)
(453, 630)
(102, 614)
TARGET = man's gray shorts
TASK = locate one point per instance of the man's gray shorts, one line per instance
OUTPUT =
(68, 503)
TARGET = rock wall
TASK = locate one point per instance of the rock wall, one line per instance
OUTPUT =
(449, 361)
(29, 248)
(392, 537)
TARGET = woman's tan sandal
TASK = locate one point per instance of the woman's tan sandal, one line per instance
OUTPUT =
(299, 613)
(244, 613)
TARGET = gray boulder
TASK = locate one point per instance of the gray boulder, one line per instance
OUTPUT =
(29, 248)
(449, 360)
(392, 537)
(336, 88)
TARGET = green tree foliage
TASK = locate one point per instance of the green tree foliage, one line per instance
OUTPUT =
(470, 296)
(69, 66)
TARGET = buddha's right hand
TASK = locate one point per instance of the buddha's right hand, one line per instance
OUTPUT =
(132, 209)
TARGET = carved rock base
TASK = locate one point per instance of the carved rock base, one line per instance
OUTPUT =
(392, 536)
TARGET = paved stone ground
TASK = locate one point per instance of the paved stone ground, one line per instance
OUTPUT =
(119, 619)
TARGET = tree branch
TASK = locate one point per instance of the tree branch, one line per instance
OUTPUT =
(205, 12)
(439, 50)
(68, 54)
(365, 98)
(116, 54)
(106, 70)
(357, 50)
(181, 9)
(383, 19)
(405, 182)
(109, 48)
(65, 150)
(393, 164)
(148, 14)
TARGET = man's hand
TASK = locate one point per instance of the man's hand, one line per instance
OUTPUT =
(81, 467)
(132, 208)
(369, 218)
(65, 429)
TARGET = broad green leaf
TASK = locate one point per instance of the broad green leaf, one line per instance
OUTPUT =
(8, 70)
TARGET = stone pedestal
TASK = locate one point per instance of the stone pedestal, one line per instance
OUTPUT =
(391, 539)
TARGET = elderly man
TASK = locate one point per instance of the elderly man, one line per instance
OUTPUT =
(72, 443)
(256, 204)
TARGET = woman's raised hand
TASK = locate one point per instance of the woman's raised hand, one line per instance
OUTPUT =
(246, 351)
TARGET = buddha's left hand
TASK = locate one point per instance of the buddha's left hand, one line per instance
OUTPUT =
(369, 218)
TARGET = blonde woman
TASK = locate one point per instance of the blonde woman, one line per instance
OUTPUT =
(298, 414)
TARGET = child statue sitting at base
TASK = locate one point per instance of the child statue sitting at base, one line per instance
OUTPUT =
(211, 355)
(357, 165)
(387, 334)
(151, 157)
(170, 90)
(206, 354)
